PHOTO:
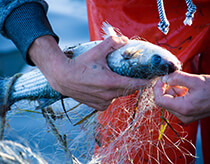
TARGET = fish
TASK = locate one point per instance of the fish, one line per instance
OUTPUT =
(137, 59)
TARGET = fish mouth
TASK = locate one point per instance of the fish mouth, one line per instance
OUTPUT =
(163, 66)
(168, 67)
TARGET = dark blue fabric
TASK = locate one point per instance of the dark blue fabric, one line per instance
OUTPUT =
(25, 24)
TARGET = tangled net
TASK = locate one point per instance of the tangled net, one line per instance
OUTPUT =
(12, 152)
(132, 130)
(135, 130)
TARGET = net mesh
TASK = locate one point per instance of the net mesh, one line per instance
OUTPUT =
(135, 130)
(132, 130)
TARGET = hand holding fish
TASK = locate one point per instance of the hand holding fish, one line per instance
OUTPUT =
(90, 72)
(86, 78)
(184, 95)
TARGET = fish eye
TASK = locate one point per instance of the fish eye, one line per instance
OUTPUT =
(156, 59)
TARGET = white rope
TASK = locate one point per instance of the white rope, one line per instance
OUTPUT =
(163, 25)
(191, 9)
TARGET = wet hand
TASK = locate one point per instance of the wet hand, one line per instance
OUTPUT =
(86, 78)
(185, 95)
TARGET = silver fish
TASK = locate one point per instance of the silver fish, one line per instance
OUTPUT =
(137, 59)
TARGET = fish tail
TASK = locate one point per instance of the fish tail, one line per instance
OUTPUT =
(29, 86)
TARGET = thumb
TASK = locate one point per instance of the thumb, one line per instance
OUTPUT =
(165, 100)
(110, 44)
(179, 78)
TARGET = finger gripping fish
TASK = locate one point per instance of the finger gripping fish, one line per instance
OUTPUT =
(137, 59)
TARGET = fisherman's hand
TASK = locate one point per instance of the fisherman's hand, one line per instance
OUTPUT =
(86, 78)
(185, 95)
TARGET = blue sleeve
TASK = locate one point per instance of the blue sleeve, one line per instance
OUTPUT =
(24, 24)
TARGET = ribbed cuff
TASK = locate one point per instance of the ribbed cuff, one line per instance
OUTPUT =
(25, 24)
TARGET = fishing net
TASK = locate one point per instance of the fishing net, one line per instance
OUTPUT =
(138, 133)
(132, 130)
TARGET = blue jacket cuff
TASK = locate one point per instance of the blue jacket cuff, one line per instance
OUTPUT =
(25, 24)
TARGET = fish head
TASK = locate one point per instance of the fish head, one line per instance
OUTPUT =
(144, 60)
(162, 66)
(161, 61)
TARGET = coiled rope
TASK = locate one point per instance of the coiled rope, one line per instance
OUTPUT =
(163, 25)
(5, 106)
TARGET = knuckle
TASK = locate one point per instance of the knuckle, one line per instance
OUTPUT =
(107, 97)
(114, 42)
(112, 39)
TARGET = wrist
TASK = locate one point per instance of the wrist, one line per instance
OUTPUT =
(47, 56)
(44, 49)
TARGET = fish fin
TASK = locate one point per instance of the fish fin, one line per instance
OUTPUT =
(108, 30)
